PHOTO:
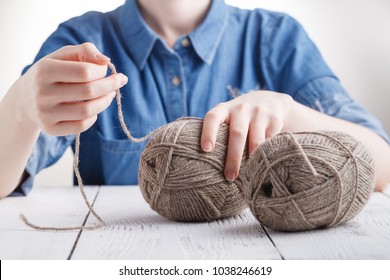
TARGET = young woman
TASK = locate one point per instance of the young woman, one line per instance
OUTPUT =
(176, 58)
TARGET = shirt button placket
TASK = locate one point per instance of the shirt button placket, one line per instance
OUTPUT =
(176, 88)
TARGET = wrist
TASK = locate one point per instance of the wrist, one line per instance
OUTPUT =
(18, 109)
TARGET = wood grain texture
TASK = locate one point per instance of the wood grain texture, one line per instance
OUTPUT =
(367, 236)
(43, 206)
(134, 231)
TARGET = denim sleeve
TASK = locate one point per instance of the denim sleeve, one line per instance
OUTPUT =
(292, 64)
(47, 151)
(326, 95)
(290, 59)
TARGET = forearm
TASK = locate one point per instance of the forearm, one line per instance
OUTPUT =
(302, 118)
(18, 137)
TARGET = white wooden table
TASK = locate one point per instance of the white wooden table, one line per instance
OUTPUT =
(134, 231)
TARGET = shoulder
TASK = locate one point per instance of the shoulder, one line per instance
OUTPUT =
(95, 27)
(272, 33)
(92, 23)
(268, 28)
(260, 17)
(93, 18)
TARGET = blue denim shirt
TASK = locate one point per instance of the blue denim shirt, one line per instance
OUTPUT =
(232, 48)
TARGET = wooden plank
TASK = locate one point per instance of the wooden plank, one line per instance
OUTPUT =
(367, 236)
(59, 206)
(134, 231)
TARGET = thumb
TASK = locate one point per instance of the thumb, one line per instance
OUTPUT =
(86, 52)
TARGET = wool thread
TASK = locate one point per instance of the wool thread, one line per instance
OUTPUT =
(81, 187)
(101, 222)
(292, 182)
(308, 180)
(183, 183)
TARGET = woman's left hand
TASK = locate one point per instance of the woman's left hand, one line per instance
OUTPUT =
(256, 116)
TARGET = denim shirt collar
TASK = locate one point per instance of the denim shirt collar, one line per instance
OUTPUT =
(207, 36)
(140, 38)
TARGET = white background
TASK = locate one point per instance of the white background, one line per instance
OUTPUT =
(352, 35)
(109, 269)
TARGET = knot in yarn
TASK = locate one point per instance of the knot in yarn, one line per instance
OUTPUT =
(183, 183)
(308, 180)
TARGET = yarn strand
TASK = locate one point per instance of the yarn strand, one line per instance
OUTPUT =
(118, 97)
(82, 190)
(293, 181)
(101, 222)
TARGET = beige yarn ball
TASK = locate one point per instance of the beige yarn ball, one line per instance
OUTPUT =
(183, 183)
(310, 180)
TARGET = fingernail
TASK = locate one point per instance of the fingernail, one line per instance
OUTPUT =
(100, 56)
(207, 146)
(230, 175)
(113, 94)
(124, 79)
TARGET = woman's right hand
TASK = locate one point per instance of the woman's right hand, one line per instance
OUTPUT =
(63, 92)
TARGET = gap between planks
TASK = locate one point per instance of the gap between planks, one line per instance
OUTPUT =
(83, 224)
(273, 243)
(386, 193)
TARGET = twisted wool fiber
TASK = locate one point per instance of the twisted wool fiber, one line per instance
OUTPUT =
(183, 183)
(207, 195)
(309, 180)
(101, 222)
(292, 182)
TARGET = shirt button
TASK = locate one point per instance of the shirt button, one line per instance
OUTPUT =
(176, 81)
(185, 42)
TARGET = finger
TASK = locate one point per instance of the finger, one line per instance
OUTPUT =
(86, 52)
(256, 134)
(61, 92)
(275, 126)
(62, 71)
(72, 127)
(213, 119)
(82, 110)
(238, 132)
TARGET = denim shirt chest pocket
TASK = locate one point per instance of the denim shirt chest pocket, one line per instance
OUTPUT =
(120, 159)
